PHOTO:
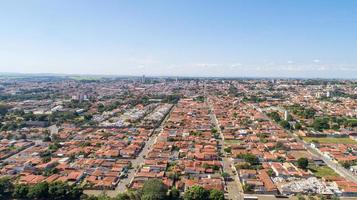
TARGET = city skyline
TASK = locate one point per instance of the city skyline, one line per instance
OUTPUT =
(203, 38)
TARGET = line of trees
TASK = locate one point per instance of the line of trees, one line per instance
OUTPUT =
(154, 189)
(43, 190)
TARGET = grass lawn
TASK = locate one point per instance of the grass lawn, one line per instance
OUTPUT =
(331, 140)
(322, 171)
(230, 142)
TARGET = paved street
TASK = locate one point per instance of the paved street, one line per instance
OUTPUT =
(335, 166)
(36, 142)
(233, 186)
(122, 185)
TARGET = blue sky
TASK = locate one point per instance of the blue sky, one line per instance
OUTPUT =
(287, 38)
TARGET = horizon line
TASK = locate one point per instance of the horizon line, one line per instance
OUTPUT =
(42, 74)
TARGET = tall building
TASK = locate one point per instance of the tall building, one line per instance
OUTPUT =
(143, 79)
(286, 115)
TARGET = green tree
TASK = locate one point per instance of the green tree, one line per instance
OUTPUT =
(303, 163)
(174, 194)
(38, 191)
(228, 149)
(297, 126)
(320, 124)
(300, 197)
(134, 195)
(122, 196)
(196, 193)
(20, 191)
(101, 197)
(310, 197)
(275, 116)
(216, 195)
(63, 191)
(225, 176)
(154, 189)
(250, 158)
(321, 197)
(75, 192)
(46, 139)
(5, 186)
(285, 124)
(280, 159)
(214, 130)
(247, 187)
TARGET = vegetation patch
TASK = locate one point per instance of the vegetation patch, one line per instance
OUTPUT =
(322, 171)
(329, 140)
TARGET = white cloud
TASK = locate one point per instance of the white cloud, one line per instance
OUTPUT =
(316, 61)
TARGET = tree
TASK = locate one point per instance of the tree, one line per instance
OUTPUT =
(310, 197)
(247, 187)
(196, 193)
(228, 149)
(122, 196)
(206, 166)
(275, 116)
(174, 194)
(100, 197)
(303, 163)
(38, 191)
(216, 195)
(153, 189)
(46, 139)
(63, 191)
(75, 192)
(321, 197)
(300, 197)
(20, 191)
(346, 164)
(297, 126)
(5, 186)
(134, 195)
(270, 172)
(46, 159)
(214, 130)
(250, 158)
(281, 159)
(285, 124)
(225, 176)
(320, 124)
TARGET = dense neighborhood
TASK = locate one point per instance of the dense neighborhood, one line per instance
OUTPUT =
(189, 138)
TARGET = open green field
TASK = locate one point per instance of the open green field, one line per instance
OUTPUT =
(230, 142)
(331, 140)
(322, 171)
